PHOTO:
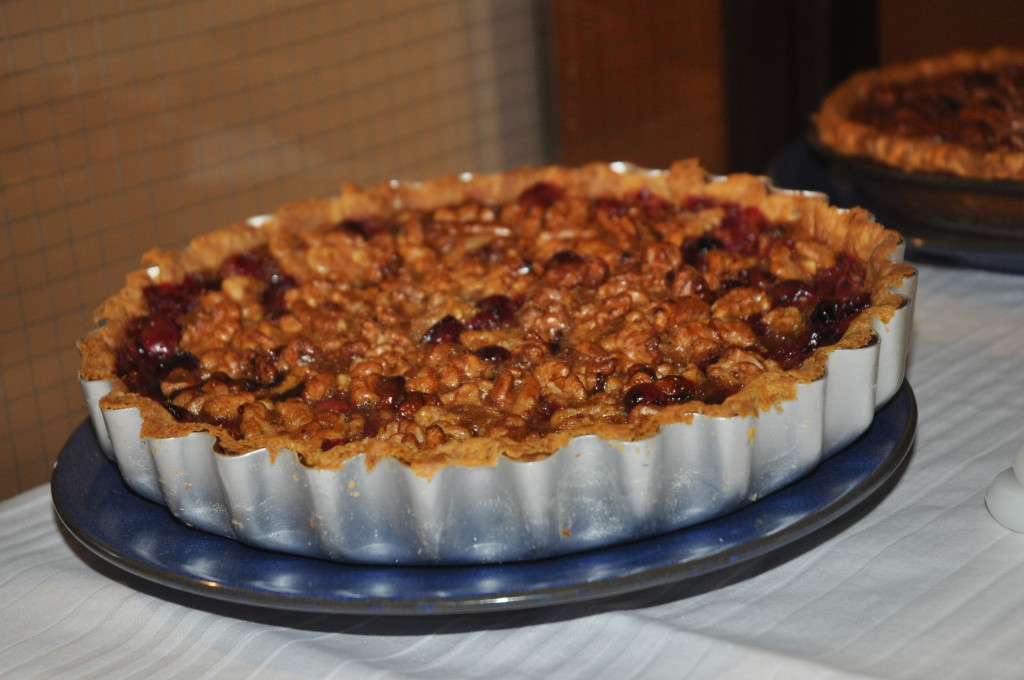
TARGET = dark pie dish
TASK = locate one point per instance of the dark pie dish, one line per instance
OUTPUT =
(936, 144)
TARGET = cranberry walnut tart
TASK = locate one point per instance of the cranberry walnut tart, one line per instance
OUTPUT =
(494, 367)
(960, 114)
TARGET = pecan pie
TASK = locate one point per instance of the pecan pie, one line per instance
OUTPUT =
(960, 114)
(472, 321)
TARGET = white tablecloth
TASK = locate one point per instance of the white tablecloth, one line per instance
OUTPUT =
(925, 585)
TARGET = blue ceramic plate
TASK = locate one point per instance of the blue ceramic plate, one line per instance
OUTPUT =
(143, 538)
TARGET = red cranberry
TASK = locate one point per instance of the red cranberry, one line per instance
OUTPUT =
(612, 206)
(447, 329)
(790, 293)
(330, 442)
(837, 313)
(842, 281)
(160, 339)
(366, 227)
(391, 390)
(542, 412)
(493, 354)
(789, 351)
(739, 229)
(646, 394)
(653, 206)
(180, 414)
(171, 300)
(272, 300)
(758, 278)
(826, 312)
(745, 220)
(260, 265)
(541, 195)
(856, 304)
(243, 264)
(257, 264)
(232, 425)
(142, 372)
(371, 425)
(496, 311)
(333, 405)
(563, 258)
(716, 394)
(695, 203)
(677, 389)
(412, 403)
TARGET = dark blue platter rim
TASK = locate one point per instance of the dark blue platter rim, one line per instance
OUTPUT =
(143, 538)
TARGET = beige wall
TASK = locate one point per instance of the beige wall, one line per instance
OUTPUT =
(134, 124)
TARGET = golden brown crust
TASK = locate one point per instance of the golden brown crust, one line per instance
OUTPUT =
(762, 384)
(838, 130)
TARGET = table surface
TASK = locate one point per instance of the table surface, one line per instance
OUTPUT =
(923, 584)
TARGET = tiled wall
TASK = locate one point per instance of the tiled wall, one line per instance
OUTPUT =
(133, 124)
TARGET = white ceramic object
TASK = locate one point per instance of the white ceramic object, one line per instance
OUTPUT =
(1005, 497)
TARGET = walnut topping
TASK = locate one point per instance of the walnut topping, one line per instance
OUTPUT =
(553, 313)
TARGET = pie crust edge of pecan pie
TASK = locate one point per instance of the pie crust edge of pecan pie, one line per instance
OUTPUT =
(851, 230)
(836, 131)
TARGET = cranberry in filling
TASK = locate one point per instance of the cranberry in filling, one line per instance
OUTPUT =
(646, 394)
(260, 265)
(313, 363)
(677, 389)
(159, 339)
(333, 405)
(330, 442)
(540, 417)
(493, 354)
(612, 206)
(542, 195)
(366, 227)
(791, 293)
(171, 300)
(496, 311)
(447, 329)
(829, 319)
(739, 229)
(391, 390)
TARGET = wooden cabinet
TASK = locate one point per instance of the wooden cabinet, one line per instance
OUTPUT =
(638, 81)
(732, 82)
